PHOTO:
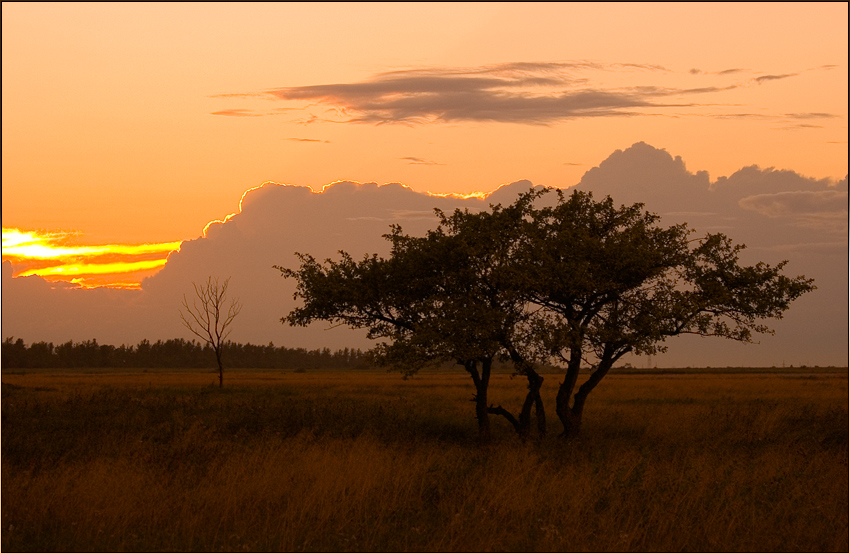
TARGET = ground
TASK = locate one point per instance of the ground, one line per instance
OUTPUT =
(332, 461)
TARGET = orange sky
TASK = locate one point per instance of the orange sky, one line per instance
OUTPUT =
(140, 123)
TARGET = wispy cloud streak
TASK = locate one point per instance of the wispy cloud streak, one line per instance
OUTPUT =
(237, 113)
(296, 139)
(419, 161)
(761, 79)
(810, 115)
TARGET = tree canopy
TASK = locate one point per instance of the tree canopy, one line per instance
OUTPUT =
(614, 281)
(576, 283)
(451, 295)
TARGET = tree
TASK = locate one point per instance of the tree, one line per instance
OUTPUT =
(448, 296)
(612, 281)
(577, 282)
(210, 317)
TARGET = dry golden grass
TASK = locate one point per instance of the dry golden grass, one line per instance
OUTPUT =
(368, 462)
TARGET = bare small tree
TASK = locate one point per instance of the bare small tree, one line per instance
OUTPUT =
(207, 319)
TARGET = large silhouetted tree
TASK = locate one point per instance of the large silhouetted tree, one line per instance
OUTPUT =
(580, 282)
(210, 316)
(449, 296)
(613, 281)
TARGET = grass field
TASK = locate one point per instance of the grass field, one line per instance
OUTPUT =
(323, 461)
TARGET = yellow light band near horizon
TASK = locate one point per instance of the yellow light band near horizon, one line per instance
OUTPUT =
(29, 244)
(76, 269)
(75, 262)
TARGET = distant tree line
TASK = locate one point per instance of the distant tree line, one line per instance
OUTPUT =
(174, 353)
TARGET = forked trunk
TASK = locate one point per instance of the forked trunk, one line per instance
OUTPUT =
(571, 416)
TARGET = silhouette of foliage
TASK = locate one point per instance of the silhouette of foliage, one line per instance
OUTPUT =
(451, 296)
(613, 281)
(578, 283)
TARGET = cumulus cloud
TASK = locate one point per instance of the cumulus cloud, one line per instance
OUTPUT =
(643, 173)
(755, 178)
(824, 210)
(798, 202)
(760, 207)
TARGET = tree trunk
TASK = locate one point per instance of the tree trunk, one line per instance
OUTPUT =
(482, 381)
(565, 391)
(540, 412)
(532, 399)
(220, 368)
(571, 416)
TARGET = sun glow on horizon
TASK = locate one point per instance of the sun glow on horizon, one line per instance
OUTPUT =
(48, 255)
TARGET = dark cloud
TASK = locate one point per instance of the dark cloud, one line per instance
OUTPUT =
(468, 99)
(533, 93)
(537, 93)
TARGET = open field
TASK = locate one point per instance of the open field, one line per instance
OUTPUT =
(324, 461)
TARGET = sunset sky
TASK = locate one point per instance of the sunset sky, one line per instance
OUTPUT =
(129, 127)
